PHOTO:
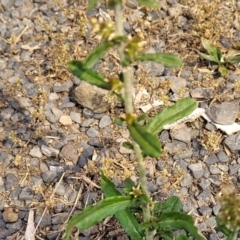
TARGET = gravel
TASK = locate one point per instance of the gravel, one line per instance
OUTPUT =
(56, 129)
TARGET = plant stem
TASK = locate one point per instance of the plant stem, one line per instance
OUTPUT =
(128, 90)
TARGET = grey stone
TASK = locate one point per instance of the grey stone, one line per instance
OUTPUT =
(210, 127)
(57, 112)
(17, 117)
(10, 181)
(89, 198)
(212, 159)
(92, 132)
(76, 117)
(91, 97)
(67, 105)
(50, 176)
(37, 180)
(187, 180)
(214, 170)
(14, 227)
(26, 193)
(177, 83)
(197, 170)
(215, 180)
(205, 211)
(153, 69)
(35, 152)
(60, 189)
(224, 113)
(105, 121)
(233, 142)
(183, 165)
(87, 122)
(69, 152)
(87, 113)
(187, 154)
(233, 168)
(49, 151)
(63, 87)
(202, 93)
(82, 161)
(189, 206)
(95, 143)
(205, 196)
(204, 183)
(223, 167)
(45, 222)
(15, 193)
(211, 222)
(88, 152)
(4, 233)
(7, 113)
(161, 180)
(183, 134)
(60, 218)
(223, 157)
(164, 135)
(216, 209)
(152, 187)
(175, 147)
(7, 4)
(213, 236)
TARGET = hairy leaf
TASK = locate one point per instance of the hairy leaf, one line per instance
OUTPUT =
(148, 142)
(127, 145)
(94, 214)
(88, 75)
(168, 60)
(178, 221)
(171, 114)
(208, 57)
(214, 52)
(172, 204)
(91, 4)
(125, 217)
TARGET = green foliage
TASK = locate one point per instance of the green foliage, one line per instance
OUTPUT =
(161, 218)
(94, 214)
(215, 55)
(171, 114)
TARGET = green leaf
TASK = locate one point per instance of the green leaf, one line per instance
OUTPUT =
(88, 75)
(208, 57)
(142, 117)
(149, 3)
(127, 145)
(100, 51)
(172, 204)
(214, 52)
(129, 184)
(234, 59)
(182, 237)
(168, 60)
(125, 217)
(223, 70)
(171, 114)
(178, 221)
(148, 142)
(91, 4)
(94, 214)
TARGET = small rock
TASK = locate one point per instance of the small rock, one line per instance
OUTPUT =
(223, 167)
(233, 143)
(214, 170)
(82, 161)
(89, 198)
(177, 83)
(69, 152)
(233, 168)
(87, 122)
(95, 143)
(60, 218)
(92, 132)
(197, 170)
(87, 113)
(10, 181)
(65, 120)
(53, 96)
(60, 189)
(9, 215)
(35, 152)
(45, 220)
(49, 151)
(214, 179)
(76, 117)
(7, 113)
(105, 121)
(223, 157)
(224, 113)
(50, 176)
(183, 134)
(205, 211)
(187, 180)
(216, 209)
(205, 196)
(63, 87)
(202, 93)
(204, 184)
(26, 194)
(91, 97)
(212, 159)
(14, 227)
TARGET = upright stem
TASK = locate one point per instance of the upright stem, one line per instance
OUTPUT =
(128, 90)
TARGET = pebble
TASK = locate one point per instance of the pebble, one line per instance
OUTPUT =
(26, 193)
(76, 117)
(69, 152)
(202, 93)
(197, 170)
(187, 180)
(105, 121)
(36, 152)
(9, 215)
(10, 181)
(65, 120)
(49, 151)
(92, 132)
(233, 142)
